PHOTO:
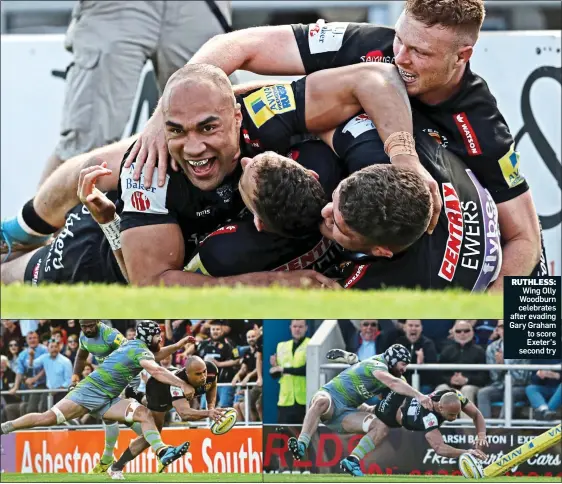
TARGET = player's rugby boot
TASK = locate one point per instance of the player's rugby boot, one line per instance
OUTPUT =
(351, 466)
(296, 448)
(100, 468)
(169, 454)
(341, 356)
(13, 238)
(117, 475)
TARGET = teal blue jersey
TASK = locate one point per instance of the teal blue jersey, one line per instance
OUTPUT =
(120, 367)
(102, 345)
(356, 384)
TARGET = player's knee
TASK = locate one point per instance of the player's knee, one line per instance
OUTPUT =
(47, 418)
(321, 403)
(137, 413)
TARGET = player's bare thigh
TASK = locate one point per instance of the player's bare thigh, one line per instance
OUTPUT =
(128, 411)
(14, 269)
(69, 409)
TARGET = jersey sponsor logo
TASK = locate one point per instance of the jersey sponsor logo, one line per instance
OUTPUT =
(176, 391)
(452, 207)
(360, 271)
(227, 229)
(436, 135)
(120, 339)
(269, 101)
(307, 259)
(254, 143)
(137, 198)
(56, 251)
(430, 421)
(490, 260)
(377, 56)
(468, 136)
(203, 213)
(509, 164)
(358, 125)
(35, 275)
(140, 201)
(326, 37)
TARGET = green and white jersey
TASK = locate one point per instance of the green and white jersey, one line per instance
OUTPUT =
(357, 384)
(103, 344)
(120, 368)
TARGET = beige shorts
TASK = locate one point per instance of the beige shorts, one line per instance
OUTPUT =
(111, 42)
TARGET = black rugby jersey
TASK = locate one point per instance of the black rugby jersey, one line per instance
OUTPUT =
(272, 116)
(464, 249)
(161, 395)
(417, 418)
(469, 123)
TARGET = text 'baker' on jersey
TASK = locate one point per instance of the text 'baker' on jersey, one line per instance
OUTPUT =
(464, 249)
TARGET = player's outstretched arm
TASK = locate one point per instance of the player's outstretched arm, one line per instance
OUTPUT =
(154, 255)
(402, 387)
(435, 439)
(169, 350)
(479, 422)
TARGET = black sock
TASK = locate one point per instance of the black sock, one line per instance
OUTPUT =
(353, 458)
(34, 221)
(126, 456)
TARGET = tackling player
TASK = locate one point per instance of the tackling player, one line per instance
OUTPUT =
(340, 404)
(161, 397)
(100, 340)
(98, 394)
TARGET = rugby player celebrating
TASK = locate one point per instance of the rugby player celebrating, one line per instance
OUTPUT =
(431, 45)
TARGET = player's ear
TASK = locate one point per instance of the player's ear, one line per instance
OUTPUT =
(238, 115)
(380, 251)
(464, 54)
(260, 227)
(314, 174)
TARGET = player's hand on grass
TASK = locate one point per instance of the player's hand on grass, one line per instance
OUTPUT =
(478, 454)
(412, 163)
(150, 149)
(101, 208)
(215, 414)
(307, 279)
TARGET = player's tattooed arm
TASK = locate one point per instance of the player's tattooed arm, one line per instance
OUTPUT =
(479, 422)
(435, 440)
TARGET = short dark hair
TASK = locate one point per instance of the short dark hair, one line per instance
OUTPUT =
(288, 200)
(465, 15)
(386, 205)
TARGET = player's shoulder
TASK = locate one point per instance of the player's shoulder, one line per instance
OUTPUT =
(212, 369)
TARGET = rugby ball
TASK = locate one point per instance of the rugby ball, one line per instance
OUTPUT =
(226, 423)
(470, 467)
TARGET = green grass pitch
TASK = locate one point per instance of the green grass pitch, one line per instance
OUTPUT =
(118, 302)
(395, 478)
(164, 477)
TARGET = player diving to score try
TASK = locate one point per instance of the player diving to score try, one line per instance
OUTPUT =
(395, 411)
(98, 394)
(162, 397)
(340, 404)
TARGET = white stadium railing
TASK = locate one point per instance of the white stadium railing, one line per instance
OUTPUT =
(200, 423)
(508, 420)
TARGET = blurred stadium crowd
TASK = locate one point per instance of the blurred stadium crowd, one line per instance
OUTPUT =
(536, 394)
(40, 354)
